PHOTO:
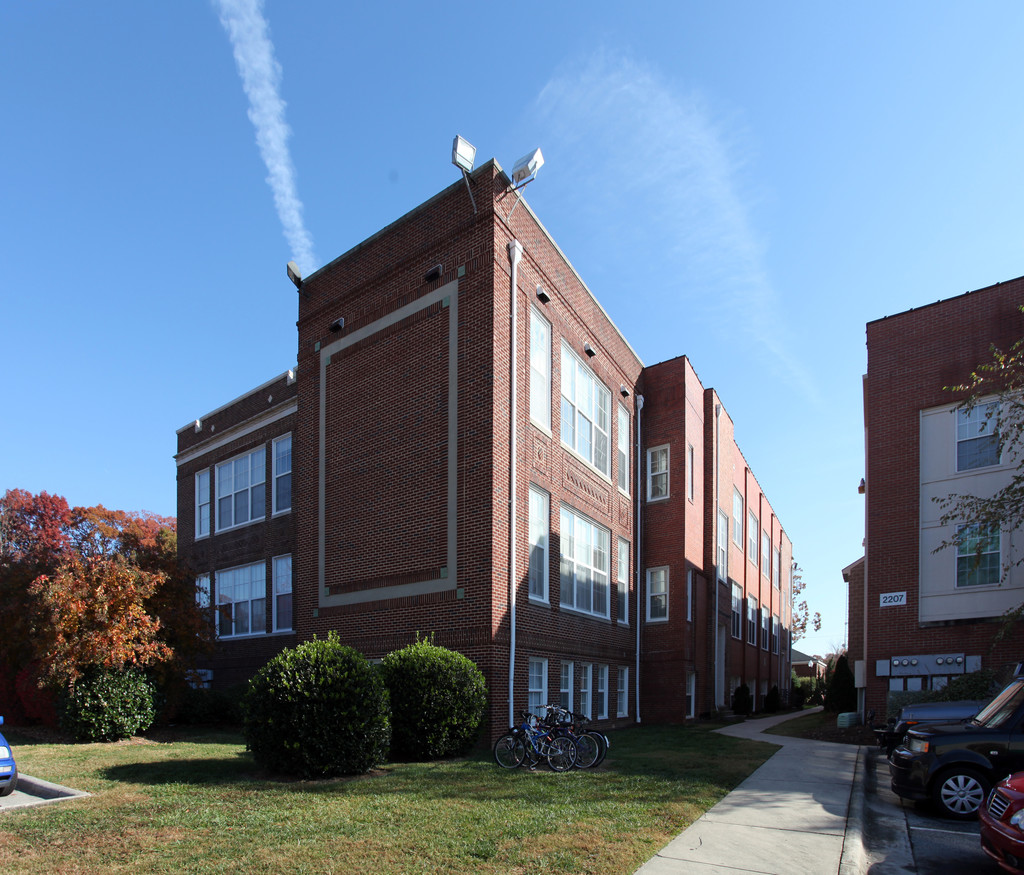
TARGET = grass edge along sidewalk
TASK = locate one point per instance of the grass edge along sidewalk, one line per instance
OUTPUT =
(195, 802)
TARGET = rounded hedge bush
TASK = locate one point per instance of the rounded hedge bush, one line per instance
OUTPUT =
(107, 705)
(316, 711)
(438, 699)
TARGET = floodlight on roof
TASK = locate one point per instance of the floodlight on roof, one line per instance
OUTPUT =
(463, 154)
(294, 274)
(525, 169)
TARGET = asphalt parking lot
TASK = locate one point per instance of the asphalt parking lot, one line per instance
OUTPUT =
(905, 837)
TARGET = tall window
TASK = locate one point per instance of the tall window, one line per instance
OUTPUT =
(540, 369)
(565, 696)
(657, 594)
(737, 611)
(282, 593)
(689, 594)
(203, 591)
(777, 568)
(622, 693)
(657, 473)
(691, 694)
(623, 445)
(752, 530)
(737, 518)
(689, 472)
(586, 408)
(584, 549)
(283, 474)
(538, 689)
(977, 555)
(775, 633)
(538, 574)
(751, 620)
(241, 490)
(242, 600)
(203, 503)
(723, 546)
(766, 553)
(585, 690)
(765, 631)
(622, 582)
(601, 691)
(977, 441)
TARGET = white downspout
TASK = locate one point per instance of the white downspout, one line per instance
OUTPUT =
(639, 545)
(515, 251)
(718, 464)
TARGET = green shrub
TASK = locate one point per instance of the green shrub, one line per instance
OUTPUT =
(771, 701)
(438, 698)
(741, 702)
(841, 692)
(107, 705)
(316, 711)
(797, 694)
(980, 685)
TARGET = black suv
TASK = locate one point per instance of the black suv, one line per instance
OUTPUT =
(956, 764)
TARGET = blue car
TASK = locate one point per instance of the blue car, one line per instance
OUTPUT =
(8, 770)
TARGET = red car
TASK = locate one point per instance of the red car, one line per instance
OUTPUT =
(1002, 823)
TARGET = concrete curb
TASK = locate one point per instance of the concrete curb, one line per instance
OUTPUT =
(855, 856)
(32, 792)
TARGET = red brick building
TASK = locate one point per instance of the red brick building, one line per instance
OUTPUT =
(920, 615)
(415, 348)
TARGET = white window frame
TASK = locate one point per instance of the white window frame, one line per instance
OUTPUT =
(657, 473)
(766, 553)
(585, 701)
(777, 569)
(753, 530)
(241, 594)
(537, 685)
(690, 456)
(539, 531)
(586, 413)
(540, 370)
(765, 630)
(977, 425)
(622, 582)
(577, 533)
(691, 693)
(565, 690)
(601, 692)
(969, 563)
(622, 442)
(282, 579)
(775, 633)
(255, 490)
(203, 508)
(723, 546)
(737, 612)
(622, 693)
(203, 592)
(281, 472)
(751, 620)
(738, 507)
(657, 594)
(689, 595)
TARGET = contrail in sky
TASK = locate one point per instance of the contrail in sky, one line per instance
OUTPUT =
(261, 75)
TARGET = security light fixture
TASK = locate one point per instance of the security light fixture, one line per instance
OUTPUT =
(525, 169)
(338, 324)
(463, 154)
(294, 274)
(433, 274)
(589, 350)
(623, 391)
(542, 295)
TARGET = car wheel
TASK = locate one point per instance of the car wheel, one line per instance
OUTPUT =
(960, 792)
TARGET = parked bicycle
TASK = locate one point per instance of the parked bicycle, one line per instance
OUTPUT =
(591, 745)
(532, 741)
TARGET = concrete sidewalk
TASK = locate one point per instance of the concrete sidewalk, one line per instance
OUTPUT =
(790, 817)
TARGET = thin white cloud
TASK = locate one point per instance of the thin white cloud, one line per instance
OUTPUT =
(261, 77)
(663, 176)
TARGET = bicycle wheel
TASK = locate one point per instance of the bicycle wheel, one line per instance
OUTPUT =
(587, 751)
(509, 751)
(602, 745)
(561, 753)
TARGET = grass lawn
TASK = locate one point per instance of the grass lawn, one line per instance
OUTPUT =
(196, 802)
(821, 725)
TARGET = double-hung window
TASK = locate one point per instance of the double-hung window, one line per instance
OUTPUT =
(601, 691)
(752, 530)
(691, 694)
(540, 369)
(586, 412)
(737, 611)
(203, 503)
(775, 633)
(538, 574)
(584, 547)
(538, 686)
(282, 593)
(977, 441)
(657, 473)
(242, 600)
(723, 546)
(977, 555)
(622, 693)
(585, 671)
(689, 472)
(766, 553)
(283, 474)
(751, 620)
(765, 631)
(777, 569)
(622, 582)
(657, 594)
(565, 694)
(623, 444)
(241, 490)
(737, 518)
(203, 592)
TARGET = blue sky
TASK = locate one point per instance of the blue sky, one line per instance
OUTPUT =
(745, 183)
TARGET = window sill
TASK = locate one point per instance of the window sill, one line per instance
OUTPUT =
(590, 465)
(540, 602)
(658, 620)
(244, 525)
(660, 498)
(604, 618)
(543, 429)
